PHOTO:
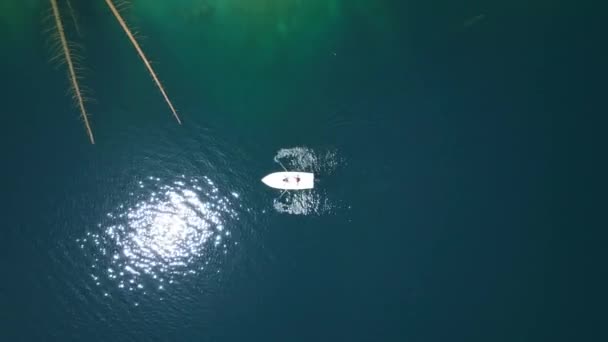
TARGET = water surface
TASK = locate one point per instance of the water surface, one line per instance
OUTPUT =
(432, 137)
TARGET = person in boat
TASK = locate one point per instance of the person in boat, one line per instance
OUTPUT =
(297, 178)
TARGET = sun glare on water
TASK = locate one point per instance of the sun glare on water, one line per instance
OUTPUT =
(171, 231)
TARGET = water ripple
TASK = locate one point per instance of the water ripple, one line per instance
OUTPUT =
(307, 202)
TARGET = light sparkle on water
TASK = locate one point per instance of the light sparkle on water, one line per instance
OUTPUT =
(171, 231)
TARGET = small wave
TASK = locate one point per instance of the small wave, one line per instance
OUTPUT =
(306, 159)
(303, 203)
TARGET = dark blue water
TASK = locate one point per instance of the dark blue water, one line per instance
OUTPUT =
(440, 133)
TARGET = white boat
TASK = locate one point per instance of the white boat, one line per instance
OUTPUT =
(287, 180)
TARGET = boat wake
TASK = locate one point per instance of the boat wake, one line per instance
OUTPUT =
(307, 202)
(306, 159)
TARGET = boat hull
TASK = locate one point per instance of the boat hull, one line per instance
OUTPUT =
(288, 180)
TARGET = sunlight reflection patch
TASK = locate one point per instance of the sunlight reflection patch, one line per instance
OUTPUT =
(171, 231)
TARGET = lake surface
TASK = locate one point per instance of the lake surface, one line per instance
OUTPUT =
(430, 126)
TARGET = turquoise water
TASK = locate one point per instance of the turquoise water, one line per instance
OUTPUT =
(429, 128)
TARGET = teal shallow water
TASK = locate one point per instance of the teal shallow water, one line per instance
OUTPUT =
(434, 151)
